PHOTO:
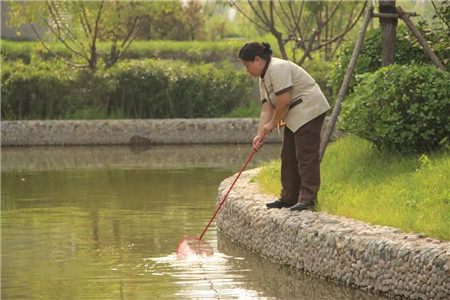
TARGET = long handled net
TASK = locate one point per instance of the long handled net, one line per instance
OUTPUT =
(192, 246)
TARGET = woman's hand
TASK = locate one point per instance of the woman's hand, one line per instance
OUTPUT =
(258, 142)
(267, 129)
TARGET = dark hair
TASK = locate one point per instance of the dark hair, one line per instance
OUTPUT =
(250, 50)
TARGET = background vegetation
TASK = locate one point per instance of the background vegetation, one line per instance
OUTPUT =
(408, 52)
(191, 51)
(145, 88)
(401, 108)
(198, 33)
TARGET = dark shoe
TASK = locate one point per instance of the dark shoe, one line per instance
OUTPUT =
(277, 204)
(301, 206)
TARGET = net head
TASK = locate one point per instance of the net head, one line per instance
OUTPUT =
(192, 247)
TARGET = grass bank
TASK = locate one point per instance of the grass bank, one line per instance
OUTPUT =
(359, 182)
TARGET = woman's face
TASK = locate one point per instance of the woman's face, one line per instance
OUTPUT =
(255, 67)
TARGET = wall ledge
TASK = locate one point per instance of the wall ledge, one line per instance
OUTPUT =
(131, 132)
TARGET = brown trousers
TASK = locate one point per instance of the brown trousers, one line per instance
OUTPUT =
(300, 163)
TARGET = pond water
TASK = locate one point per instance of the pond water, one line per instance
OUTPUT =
(105, 222)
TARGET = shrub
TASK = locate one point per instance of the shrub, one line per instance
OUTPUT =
(88, 95)
(408, 51)
(167, 89)
(141, 90)
(34, 91)
(320, 70)
(401, 108)
(131, 89)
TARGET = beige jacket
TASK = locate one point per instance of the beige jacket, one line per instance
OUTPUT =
(307, 99)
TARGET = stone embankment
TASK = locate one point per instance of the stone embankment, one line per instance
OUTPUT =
(378, 259)
(131, 132)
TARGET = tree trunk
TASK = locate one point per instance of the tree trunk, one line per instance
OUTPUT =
(278, 36)
(388, 28)
(93, 58)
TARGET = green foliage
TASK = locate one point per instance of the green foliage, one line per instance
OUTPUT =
(145, 88)
(131, 89)
(442, 10)
(401, 108)
(188, 51)
(32, 51)
(11, 51)
(196, 51)
(33, 91)
(80, 25)
(174, 20)
(410, 193)
(408, 51)
(321, 70)
(163, 89)
(250, 109)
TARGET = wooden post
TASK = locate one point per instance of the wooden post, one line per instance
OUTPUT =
(388, 33)
(419, 37)
(351, 67)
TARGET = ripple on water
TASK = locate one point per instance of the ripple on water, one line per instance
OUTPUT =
(203, 277)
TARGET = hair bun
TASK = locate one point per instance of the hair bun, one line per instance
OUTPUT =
(267, 48)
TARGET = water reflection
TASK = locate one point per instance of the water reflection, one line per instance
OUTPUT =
(155, 157)
(105, 222)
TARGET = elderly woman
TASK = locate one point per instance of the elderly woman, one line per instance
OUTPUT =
(289, 95)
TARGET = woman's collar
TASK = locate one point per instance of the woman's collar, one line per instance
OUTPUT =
(265, 67)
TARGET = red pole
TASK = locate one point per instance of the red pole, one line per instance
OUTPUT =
(229, 190)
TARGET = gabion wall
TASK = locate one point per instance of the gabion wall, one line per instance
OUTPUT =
(379, 259)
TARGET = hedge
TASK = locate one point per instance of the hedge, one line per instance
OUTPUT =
(131, 89)
(401, 108)
(408, 51)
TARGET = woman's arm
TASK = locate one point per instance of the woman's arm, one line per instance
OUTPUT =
(266, 115)
(281, 111)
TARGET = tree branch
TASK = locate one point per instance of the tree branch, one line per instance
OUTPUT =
(285, 17)
(444, 20)
(347, 29)
(85, 23)
(93, 59)
(233, 3)
(308, 49)
(68, 62)
(298, 19)
(58, 34)
(255, 11)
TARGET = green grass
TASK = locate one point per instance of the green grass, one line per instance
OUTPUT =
(184, 50)
(359, 182)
